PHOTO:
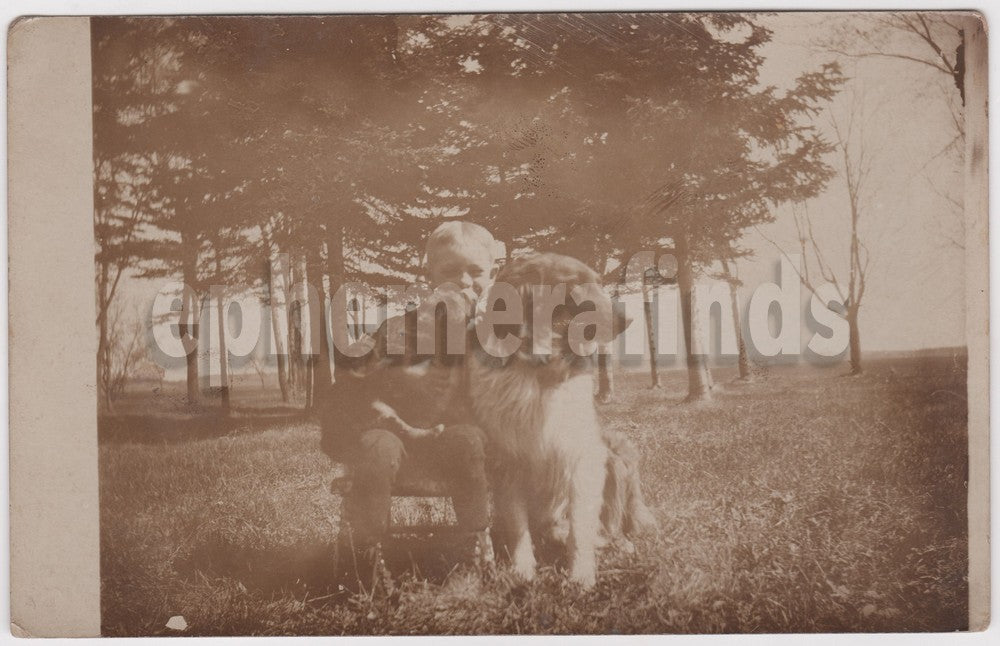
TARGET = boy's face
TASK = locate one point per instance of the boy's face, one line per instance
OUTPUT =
(468, 266)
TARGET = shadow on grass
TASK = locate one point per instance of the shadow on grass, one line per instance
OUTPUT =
(319, 569)
(292, 568)
(212, 423)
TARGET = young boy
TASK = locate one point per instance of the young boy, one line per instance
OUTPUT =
(459, 255)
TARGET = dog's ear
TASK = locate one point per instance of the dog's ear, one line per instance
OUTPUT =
(597, 310)
(618, 319)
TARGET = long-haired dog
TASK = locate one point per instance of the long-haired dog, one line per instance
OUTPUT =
(536, 405)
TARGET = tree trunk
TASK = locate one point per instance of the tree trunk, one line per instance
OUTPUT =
(855, 339)
(104, 365)
(356, 318)
(279, 350)
(189, 328)
(302, 329)
(319, 375)
(103, 353)
(605, 372)
(605, 376)
(698, 335)
(741, 346)
(281, 357)
(647, 312)
(220, 303)
(310, 365)
(699, 388)
(746, 374)
(322, 377)
(335, 271)
(296, 367)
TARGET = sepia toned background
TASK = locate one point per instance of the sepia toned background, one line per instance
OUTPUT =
(909, 217)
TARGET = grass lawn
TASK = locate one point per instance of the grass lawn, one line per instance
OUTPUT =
(806, 501)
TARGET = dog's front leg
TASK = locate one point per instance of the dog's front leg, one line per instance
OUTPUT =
(513, 507)
(585, 500)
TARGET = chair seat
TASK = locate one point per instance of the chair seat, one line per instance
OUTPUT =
(421, 488)
(411, 482)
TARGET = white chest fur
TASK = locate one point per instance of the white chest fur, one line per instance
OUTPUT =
(532, 423)
(551, 460)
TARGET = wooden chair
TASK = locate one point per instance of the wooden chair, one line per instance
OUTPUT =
(410, 483)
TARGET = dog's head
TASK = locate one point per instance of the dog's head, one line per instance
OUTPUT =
(565, 313)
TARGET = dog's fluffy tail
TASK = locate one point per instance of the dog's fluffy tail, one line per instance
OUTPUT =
(624, 513)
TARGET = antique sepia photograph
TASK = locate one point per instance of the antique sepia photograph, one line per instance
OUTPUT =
(536, 323)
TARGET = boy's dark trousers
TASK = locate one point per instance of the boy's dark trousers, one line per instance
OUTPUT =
(456, 457)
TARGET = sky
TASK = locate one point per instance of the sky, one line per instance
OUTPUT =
(915, 297)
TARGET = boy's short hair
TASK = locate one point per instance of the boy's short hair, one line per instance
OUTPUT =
(456, 233)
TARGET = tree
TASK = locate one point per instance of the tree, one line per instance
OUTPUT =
(730, 275)
(933, 41)
(120, 210)
(277, 300)
(647, 311)
(735, 150)
(151, 107)
(230, 138)
(122, 199)
(857, 167)
(124, 353)
(220, 293)
(852, 146)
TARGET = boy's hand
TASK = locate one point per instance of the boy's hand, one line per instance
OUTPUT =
(422, 393)
(459, 301)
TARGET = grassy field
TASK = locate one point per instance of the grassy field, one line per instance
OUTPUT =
(806, 501)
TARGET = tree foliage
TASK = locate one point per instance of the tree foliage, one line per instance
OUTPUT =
(347, 139)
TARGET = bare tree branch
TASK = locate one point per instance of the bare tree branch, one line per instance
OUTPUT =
(799, 272)
(903, 57)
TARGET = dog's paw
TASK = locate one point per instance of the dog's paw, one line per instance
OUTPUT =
(641, 520)
(584, 574)
(523, 564)
(559, 531)
(524, 571)
(437, 430)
